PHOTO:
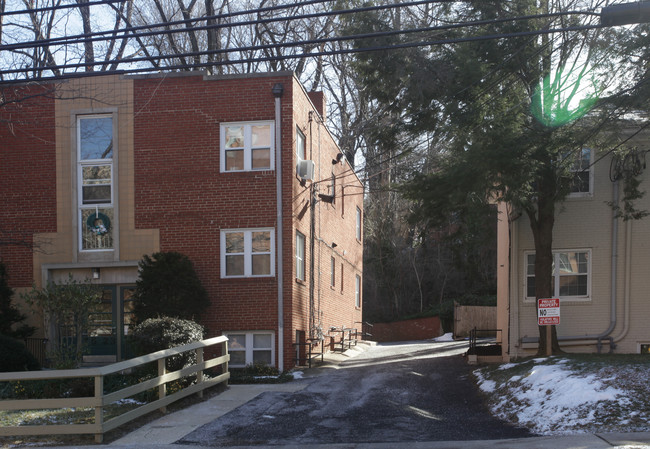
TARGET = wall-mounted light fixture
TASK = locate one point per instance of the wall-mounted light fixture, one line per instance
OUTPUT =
(96, 273)
(338, 159)
(334, 245)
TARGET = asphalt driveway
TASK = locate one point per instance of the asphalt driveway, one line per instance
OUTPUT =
(416, 391)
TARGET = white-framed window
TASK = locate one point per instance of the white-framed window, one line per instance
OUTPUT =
(357, 291)
(358, 229)
(95, 181)
(300, 256)
(300, 144)
(582, 173)
(571, 275)
(332, 272)
(247, 146)
(251, 348)
(247, 252)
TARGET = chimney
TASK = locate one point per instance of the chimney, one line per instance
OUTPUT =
(318, 98)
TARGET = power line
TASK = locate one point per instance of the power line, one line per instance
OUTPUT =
(185, 67)
(121, 34)
(58, 7)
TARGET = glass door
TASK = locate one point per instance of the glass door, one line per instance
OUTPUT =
(102, 329)
(111, 324)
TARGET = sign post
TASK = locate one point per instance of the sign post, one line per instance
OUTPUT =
(548, 314)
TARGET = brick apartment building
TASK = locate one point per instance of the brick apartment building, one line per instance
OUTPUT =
(95, 172)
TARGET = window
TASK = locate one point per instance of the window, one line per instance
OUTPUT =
(582, 174)
(358, 224)
(332, 272)
(300, 145)
(341, 277)
(248, 348)
(571, 275)
(300, 256)
(246, 146)
(357, 291)
(95, 175)
(333, 189)
(247, 253)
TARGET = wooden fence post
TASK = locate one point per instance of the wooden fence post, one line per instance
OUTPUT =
(99, 409)
(199, 374)
(162, 388)
(225, 353)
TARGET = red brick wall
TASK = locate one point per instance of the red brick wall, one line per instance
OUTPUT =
(334, 223)
(27, 177)
(407, 330)
(180, 190)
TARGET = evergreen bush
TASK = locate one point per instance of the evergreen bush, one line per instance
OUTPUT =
(169, 286)
(15, 356)
(11, 320)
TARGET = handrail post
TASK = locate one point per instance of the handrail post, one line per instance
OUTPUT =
(199, 373)
(99, 409)
(162, 388)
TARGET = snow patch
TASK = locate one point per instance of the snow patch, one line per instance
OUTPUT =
(553, 399)
(447, 337)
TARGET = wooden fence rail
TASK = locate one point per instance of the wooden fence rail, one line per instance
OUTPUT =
(100, 399)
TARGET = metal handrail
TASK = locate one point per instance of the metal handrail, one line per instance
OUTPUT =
(473, 338)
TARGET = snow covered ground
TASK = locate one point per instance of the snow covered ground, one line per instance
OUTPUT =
(557, 395)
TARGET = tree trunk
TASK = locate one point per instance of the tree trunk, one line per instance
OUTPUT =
(542, 223)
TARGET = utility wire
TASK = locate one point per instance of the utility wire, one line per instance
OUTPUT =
(58, 7)
(123, 34)
(184, 67)
(127, 32)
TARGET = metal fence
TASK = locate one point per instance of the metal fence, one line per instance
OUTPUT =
(36, 346)
(100, 399)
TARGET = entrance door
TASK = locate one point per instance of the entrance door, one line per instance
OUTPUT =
(102, 330)
(111, 324)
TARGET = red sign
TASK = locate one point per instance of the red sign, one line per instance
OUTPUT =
(548, 311)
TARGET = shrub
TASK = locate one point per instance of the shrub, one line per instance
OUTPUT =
(69, 305)
(168, 285)
(259, 374)
(15, 356)
(155, 334)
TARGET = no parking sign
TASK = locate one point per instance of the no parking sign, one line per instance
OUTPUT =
(548, 311)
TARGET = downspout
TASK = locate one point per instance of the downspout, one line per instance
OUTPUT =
(312, 238)
(277, 90)
(628, 274)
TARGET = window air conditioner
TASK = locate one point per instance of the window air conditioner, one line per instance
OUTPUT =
(305, 170)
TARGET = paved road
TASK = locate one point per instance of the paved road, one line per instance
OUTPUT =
(418, 391)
